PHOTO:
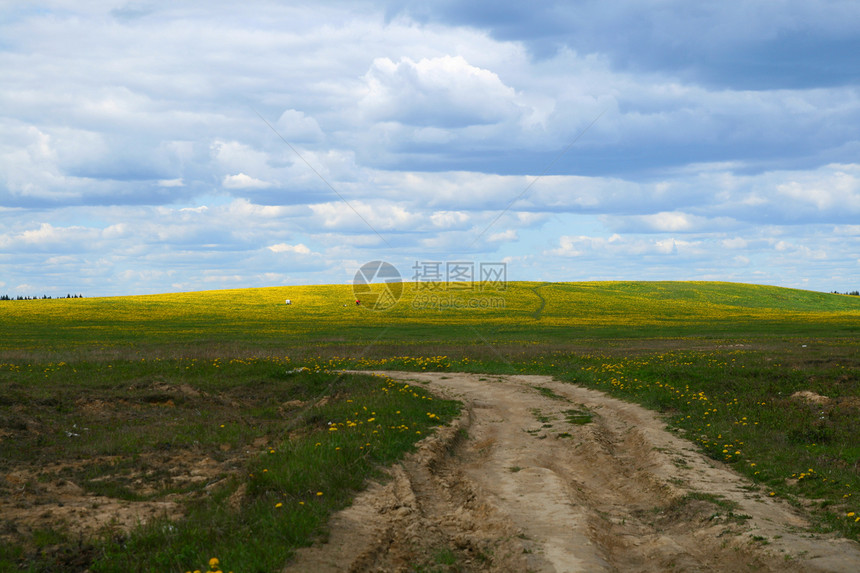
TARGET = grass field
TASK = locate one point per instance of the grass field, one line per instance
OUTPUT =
(224, 408)
(258, 319)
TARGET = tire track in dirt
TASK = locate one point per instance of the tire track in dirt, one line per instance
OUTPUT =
(538, 475)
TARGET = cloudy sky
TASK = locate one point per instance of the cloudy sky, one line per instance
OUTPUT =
(151, 147)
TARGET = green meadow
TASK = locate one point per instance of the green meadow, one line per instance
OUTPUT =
(126, 397)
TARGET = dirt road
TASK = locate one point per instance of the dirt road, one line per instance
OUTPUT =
(542, 476)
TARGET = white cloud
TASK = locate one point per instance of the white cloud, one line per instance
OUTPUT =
(285, 248)
(116, 231)
(48, 238)
(674, 221)
(449, 219)
(295, 126)
(445, 92)
(509, 235)
(800, 251)
(734, 243)
(242, 181)
(833, 187)
(577, 246)
(244, 209)
(365, 217)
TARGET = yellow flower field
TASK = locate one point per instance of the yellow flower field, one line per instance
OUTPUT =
(329, 312)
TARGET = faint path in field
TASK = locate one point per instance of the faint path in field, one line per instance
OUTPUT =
(537, 313)
(519, 483)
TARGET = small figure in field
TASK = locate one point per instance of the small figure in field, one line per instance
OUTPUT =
(357, 302)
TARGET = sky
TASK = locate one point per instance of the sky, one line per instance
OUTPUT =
(152, 147)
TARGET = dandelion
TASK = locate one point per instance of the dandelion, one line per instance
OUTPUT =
(319, 493)
(279, 504)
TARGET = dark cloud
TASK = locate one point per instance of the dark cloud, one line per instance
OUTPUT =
(735, 45)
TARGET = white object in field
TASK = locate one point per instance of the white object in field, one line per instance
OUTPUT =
(289, 301)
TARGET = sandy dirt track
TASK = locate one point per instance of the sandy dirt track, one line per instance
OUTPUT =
(523, 481)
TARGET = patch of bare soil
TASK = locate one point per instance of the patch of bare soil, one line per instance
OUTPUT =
(542, 476)
(59, 497)
(39, 499)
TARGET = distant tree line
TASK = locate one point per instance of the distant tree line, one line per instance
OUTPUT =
(853, 292)
(43, 297)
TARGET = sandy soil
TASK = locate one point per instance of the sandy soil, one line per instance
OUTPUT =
(565, 479)
(29, 502)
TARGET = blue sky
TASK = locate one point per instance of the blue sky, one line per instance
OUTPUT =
(176, 146)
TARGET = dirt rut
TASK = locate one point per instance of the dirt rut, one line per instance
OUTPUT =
(542, 476)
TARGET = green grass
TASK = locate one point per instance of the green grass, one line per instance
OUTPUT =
(301, 465)
(122, 396)
(579, 416)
